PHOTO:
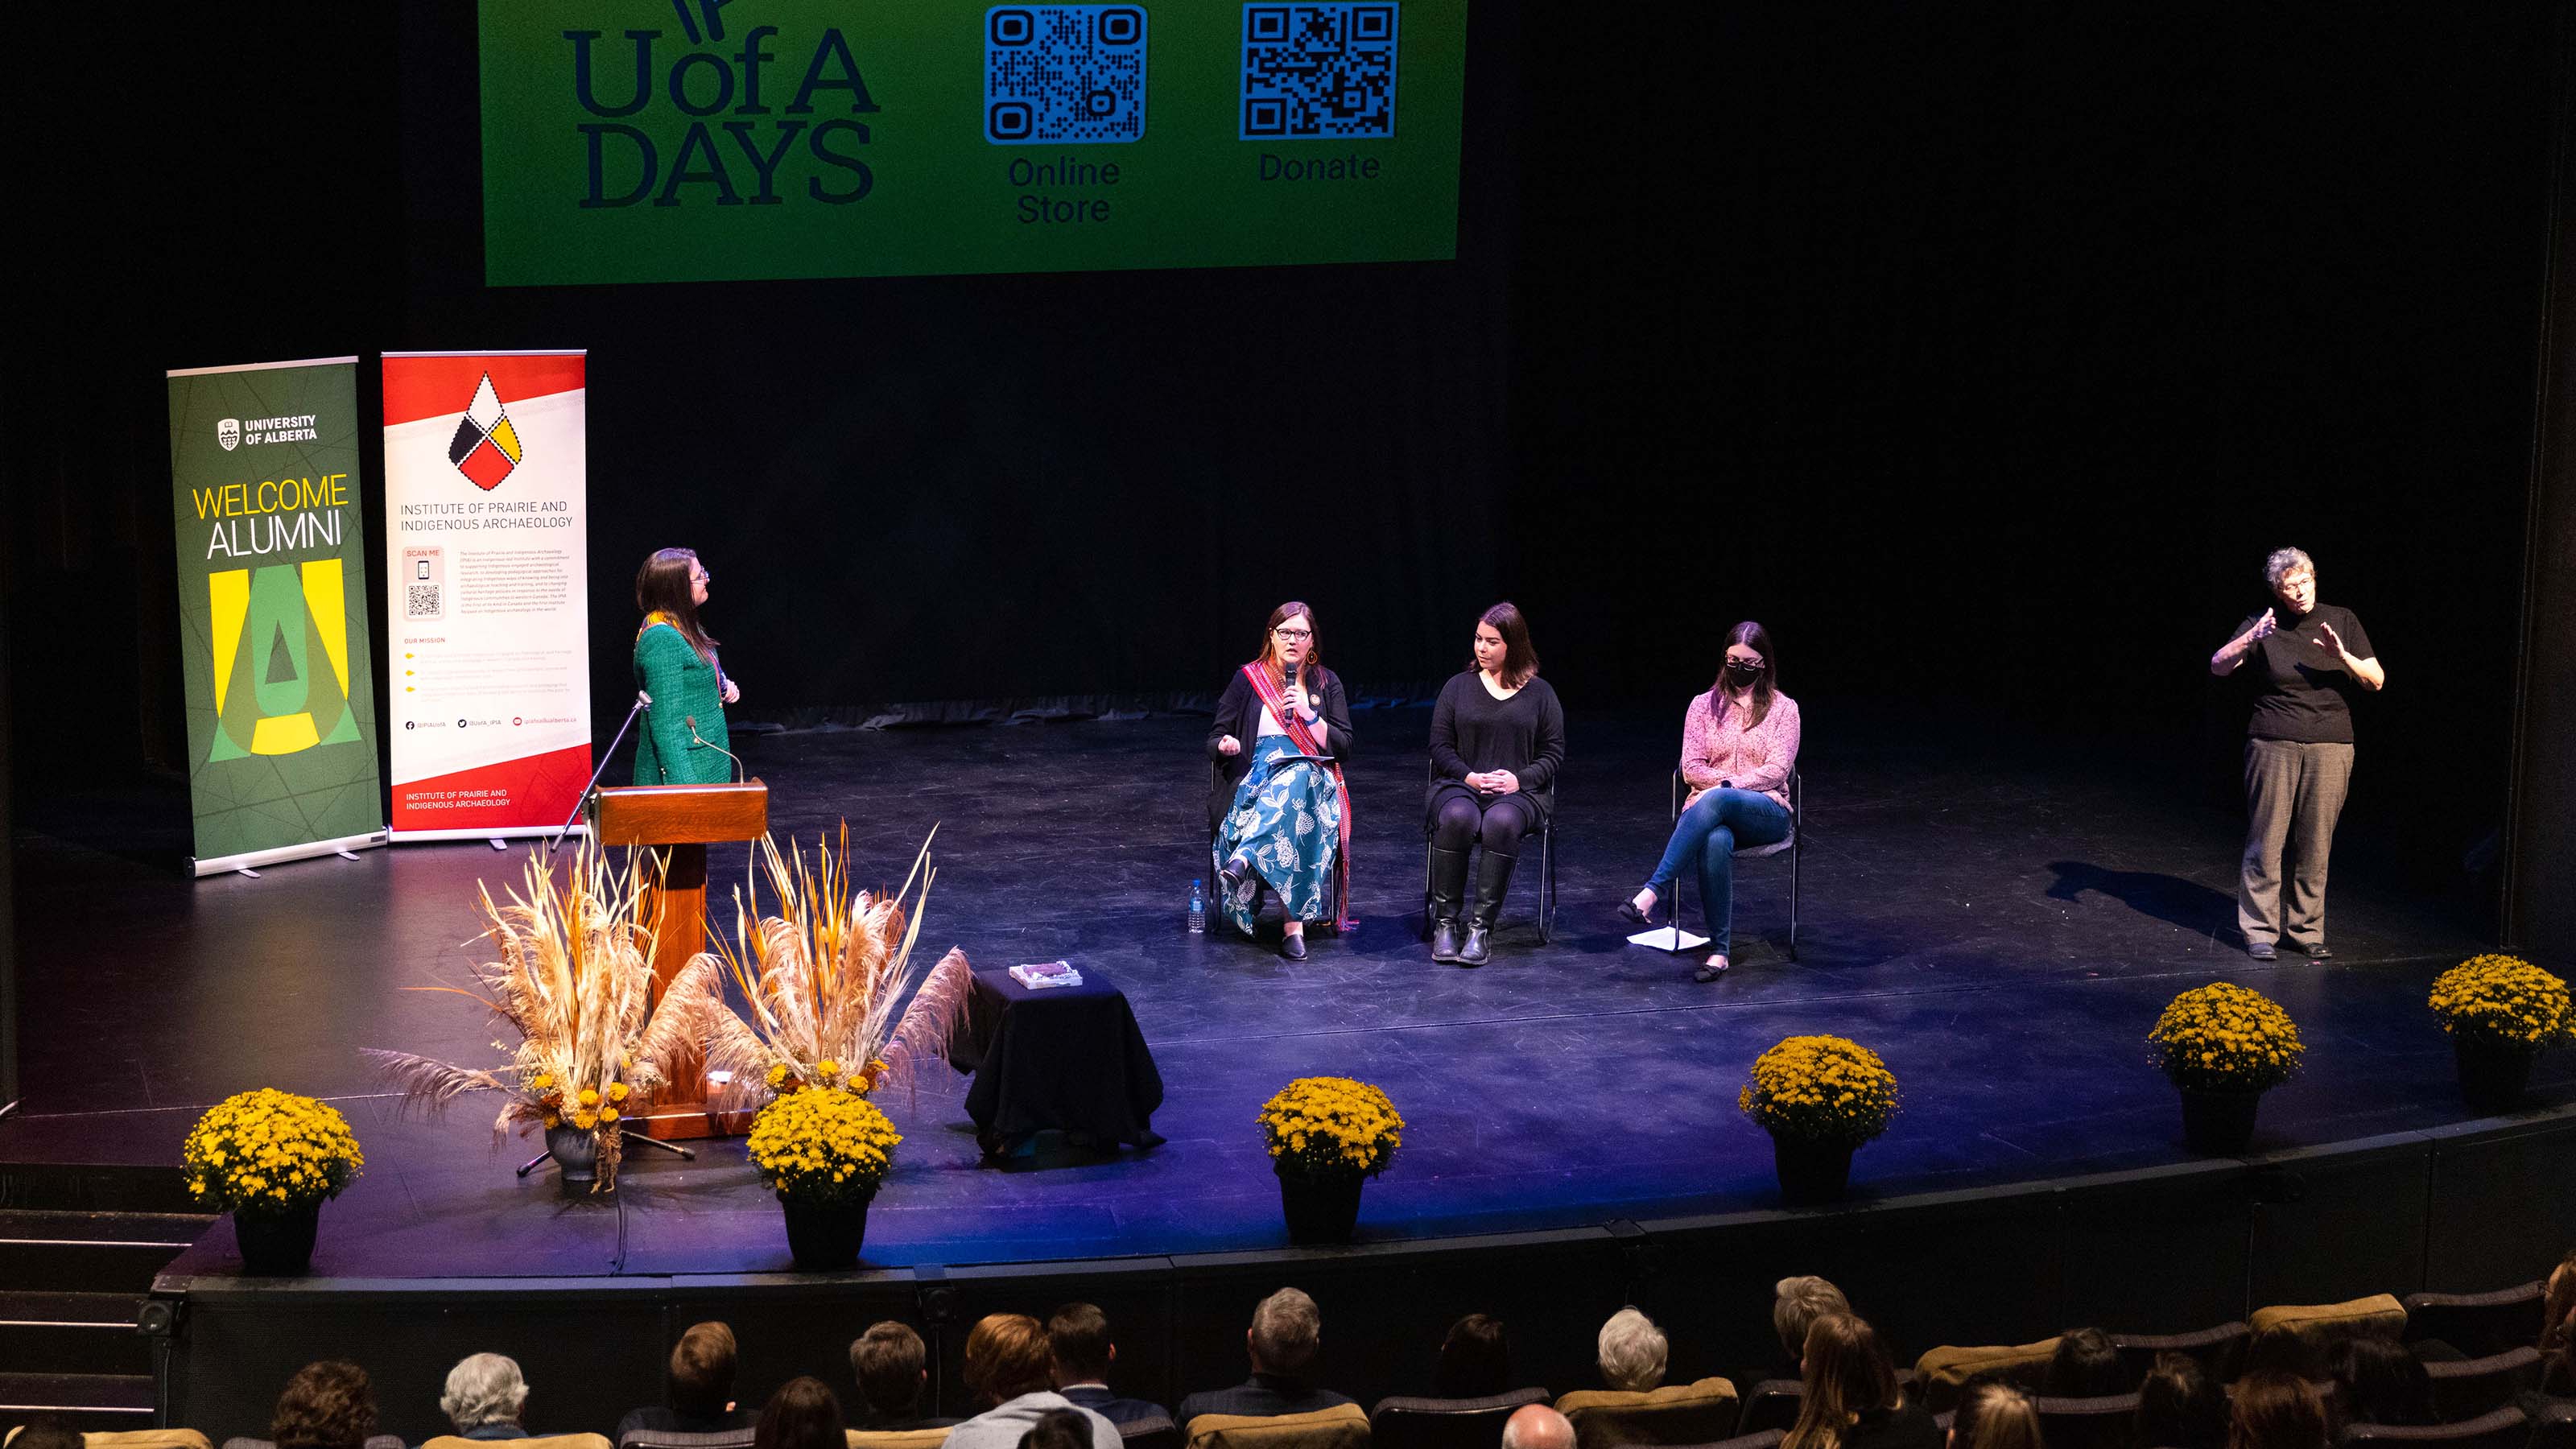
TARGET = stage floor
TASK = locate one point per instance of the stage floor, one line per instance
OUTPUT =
(2003, 933)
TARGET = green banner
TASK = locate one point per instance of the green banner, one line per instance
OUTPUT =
(272, 611)
(626, 141)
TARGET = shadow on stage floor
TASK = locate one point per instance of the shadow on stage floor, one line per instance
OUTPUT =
(2003, 934)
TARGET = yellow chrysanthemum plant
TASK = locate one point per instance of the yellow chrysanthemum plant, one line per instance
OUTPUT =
(270, 1152)
(574, 978)
(2225, 1038)
(1321, 1127)
(2502, 1001)
(826, 974)
(1825, 1089)
(823, 1146)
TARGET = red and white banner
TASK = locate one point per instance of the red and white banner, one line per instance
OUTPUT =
(487, 615)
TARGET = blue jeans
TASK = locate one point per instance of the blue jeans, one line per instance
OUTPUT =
(1717, 825)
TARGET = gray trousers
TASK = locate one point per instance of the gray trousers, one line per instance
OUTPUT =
(2293, 793)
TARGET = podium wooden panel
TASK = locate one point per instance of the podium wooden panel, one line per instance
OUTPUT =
(677, 823)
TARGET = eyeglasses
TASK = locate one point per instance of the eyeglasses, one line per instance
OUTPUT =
(702, 577)
(1294, 633)
(1734, 663)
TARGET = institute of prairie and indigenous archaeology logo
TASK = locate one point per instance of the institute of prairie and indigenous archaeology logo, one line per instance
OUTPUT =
(486, 448)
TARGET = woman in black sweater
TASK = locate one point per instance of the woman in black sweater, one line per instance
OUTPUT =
(1497, 738)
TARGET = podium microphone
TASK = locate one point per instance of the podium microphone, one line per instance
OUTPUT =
(695, 738)
(642, 703)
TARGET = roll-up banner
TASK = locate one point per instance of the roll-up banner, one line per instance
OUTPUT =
(272, 612)
(486, 608)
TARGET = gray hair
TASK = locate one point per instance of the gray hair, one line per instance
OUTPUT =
(1285, 1330)
(484, 1389)
(2281, 561)
(1796, 1304)
(1632, 1352)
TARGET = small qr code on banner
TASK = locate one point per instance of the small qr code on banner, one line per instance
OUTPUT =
(1064, 74)
(1318, 71)
(421, 601)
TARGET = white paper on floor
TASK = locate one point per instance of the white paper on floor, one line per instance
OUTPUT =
(1661, 938)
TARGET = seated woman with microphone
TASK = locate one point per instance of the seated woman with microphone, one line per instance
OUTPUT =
(1739, 747)
(684, 740)
(1280, 811)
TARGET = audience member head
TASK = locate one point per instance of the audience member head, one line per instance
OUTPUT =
(2383, 1383)
(702, 1369)
(1845, 1373)
(2282, 1349)
(47, 1434)
(1995, 1415)
(2180, 1406)
(2085, 1366)
(1078, 1337)
(1796, 1304)
(484, 1388)
(888, 1362)
(801, 1415)
(1631, 1351)
(1285, 1332)
(2276, 1411)
(327, 1405)
(2558, 1307)
(1059, 1429)
(1536, 1426)
(1007, 1356)
(1475, 1360)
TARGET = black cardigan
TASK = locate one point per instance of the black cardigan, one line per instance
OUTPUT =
(1238, 713)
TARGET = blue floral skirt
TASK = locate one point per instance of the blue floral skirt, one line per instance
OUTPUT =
(1287, 822)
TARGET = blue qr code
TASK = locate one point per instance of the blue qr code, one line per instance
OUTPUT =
(1318, 71)
(1059, 74)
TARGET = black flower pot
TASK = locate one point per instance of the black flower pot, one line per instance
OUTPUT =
(1320, 1209)
(277, 1244)
(2218, 1123)
(576, 1155)
(825, 1237)
(1811, 1172)
(2494, 1076)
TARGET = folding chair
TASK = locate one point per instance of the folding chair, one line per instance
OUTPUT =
(1794, 843)
(1546, 870)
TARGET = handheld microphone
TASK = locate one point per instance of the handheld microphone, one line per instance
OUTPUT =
(696, 738)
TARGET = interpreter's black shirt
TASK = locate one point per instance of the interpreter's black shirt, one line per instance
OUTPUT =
(2302, 692)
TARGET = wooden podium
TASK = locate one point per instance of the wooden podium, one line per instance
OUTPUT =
(677, 823)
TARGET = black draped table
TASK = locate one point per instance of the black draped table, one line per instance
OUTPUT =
(1069, 1058)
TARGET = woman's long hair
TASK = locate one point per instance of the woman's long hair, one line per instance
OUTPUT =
(1995, 1415)
(1520, 661)
(2276, 1411)
(2179, 1407)
(801, 1415)
(1475, 1360)
(1847, 1374)
(662, 587)
(2383, 1383)
(1765, 685)
(2558, 1329)
(1268, 658)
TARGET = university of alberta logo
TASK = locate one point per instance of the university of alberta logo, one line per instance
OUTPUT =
(485, 447)
(228, 433)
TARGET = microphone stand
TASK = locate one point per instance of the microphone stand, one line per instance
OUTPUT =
(642, 700)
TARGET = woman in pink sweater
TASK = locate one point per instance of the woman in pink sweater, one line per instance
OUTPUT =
(1739, 745)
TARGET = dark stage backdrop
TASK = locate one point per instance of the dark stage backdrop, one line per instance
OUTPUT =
(1983, 353)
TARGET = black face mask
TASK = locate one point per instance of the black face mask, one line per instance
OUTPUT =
(1741, 674)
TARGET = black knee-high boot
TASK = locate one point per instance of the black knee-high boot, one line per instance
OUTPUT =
(1448, 898)
(1493, 881)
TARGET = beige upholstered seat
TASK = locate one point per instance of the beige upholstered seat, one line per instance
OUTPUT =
(1947, 1369)
(902, 1439)
(1343, 1426)
(542, 1441)
(2378, 1316)
(1694, 1413)
(135, 1439)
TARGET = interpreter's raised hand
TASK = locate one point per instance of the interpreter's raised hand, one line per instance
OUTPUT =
(2330, 641)
(1228, 745)
(1505, 782)
(2263, 627)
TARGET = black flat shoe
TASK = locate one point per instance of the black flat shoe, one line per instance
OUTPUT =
(1628, 912)
(1704, 972)
(1293, 947)
(1230, 875)
(2319, 952)
(2262, 951)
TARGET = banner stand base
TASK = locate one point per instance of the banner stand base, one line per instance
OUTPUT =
(497, 839)
(246, 861)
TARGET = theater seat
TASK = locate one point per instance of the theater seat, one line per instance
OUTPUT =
(2554, 1425)
(1767, 1439)
(2378, 1316)
(541, 1441)
(2476, 1323)
(655, 1439)
(2218, 1350)
(1342, 1426)
(373, 1441)
(2506, 1428)
(167, 1439)
(1154, 1431)
(1771, 1404)
(2468, 1388)
(889, 1439)
(2101, 1423)
(1944, 1370)
(1694, 1413)
(1420, 1423)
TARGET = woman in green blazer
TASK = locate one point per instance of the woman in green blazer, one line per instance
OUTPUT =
(684, 741)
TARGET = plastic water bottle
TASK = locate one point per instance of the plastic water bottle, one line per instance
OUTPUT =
(1198, 910)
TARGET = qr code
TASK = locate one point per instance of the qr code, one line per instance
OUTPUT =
(1064, 74)
(1318, 71)
(421, 601)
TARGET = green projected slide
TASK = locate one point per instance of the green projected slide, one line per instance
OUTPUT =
(686, 140)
